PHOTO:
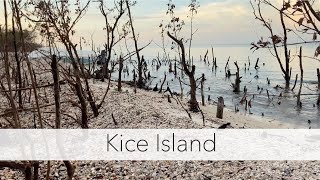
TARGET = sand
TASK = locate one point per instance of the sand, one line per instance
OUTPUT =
(172, 115)
(148, 109)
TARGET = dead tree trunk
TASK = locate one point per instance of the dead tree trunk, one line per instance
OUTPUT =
(140, 72)
(227, 69)
(170, 68)
(18, 18)
(36, 170)
(120, 72)
(56, 88)
(257, 64)
(18, 63)
(236, 86)
(193, 103)
(205, 56)
(193, 88)
(299, 104)
(104, 69)
(295, 83)
(105, 94)
(318, 74)
(202, 90)
(7, 70)
(287, 73)
(48, 170)
(175, 68)
(134, 81)
(164, 80)
(285, 68)
(79, 91)
(92, 103)
(28, 172)
(181, 88)
(70, 169)
(140, 63)
(220, 107)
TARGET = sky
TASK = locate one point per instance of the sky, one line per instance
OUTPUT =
(217, 21)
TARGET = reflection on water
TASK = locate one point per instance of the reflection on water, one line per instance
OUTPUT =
(281, 104)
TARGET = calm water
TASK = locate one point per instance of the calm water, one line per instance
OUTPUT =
(280, 108)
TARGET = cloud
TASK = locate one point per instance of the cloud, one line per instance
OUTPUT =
(227, 21)
(217, 22)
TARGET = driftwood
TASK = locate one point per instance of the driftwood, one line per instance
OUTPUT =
(114, 120)
(203, 118)
(184, 108)
(224, 126)
(38, 87)
(9, 112)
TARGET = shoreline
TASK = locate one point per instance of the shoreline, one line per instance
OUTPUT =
(151, 110)
(174, 110)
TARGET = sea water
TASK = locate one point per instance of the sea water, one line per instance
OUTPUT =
(281, 104)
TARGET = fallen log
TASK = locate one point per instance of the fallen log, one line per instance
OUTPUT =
(38, 87)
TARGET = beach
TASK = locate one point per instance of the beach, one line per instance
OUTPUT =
(149, 109)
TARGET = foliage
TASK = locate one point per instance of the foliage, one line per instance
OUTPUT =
(29, 38)
(305, 20)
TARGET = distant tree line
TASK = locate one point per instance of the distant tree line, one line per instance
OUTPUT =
(28, 36)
